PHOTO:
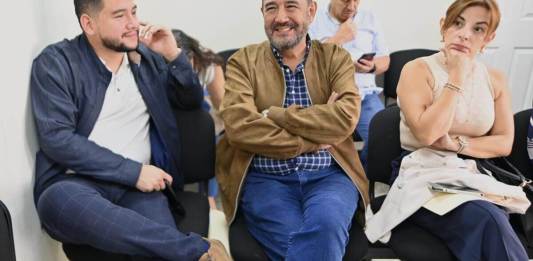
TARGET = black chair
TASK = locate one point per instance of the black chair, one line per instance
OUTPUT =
(226, 54)
(7, 244)
(520, 159)
(408, 241)
(197, 142)
(397, 60)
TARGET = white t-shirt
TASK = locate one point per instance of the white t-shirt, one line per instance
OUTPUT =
(123, 123)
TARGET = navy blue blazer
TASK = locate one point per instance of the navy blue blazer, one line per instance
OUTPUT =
(68, 86)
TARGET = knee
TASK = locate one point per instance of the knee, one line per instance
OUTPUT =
(332, 222)
(49, 202)
(486, 214)
(54, 199)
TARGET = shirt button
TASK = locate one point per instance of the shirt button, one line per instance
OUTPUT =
(296, 168)
(293, 92)
(174, 67)
(287, 70)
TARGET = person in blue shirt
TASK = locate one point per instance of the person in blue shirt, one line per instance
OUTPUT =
(102, 104)
(358, 31)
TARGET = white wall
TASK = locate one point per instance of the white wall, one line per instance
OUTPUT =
(17, 139)
(228, 24)
(221, 25)
(410, 23)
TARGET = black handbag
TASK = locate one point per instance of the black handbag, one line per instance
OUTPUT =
(502, 170)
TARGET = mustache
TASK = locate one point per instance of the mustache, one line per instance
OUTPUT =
(287, 24)
(126, 33)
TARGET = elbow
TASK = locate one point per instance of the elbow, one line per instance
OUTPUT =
(428, 135)
(51, 147)
(506, 149)
(346, 129)
(506, 152)
(426, 139)
(426, 142)
(53, 142)
(347, 122)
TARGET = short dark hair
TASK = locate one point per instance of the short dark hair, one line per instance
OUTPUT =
(87, 6)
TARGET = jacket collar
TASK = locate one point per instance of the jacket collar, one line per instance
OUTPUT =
(279, 57)
(272, 58)
(89, 54)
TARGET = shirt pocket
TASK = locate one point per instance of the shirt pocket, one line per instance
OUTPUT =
(364, 40)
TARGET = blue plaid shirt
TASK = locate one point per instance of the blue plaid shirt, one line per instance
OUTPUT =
(295, 93)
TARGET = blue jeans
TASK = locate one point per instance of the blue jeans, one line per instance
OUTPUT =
(301, 216)
(369, 107)
(116, 219)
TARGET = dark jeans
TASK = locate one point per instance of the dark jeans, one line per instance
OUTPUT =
(301, 216)
(116, 219)
(476, 230)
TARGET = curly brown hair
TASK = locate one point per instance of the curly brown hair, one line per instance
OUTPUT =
(201, 56)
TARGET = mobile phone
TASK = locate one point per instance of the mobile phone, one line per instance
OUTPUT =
(367, 56)
(448, 188)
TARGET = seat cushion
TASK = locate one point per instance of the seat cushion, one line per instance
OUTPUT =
(197, 213)
(357, 244)
(244, 247)
(411, 242)
(196, 220)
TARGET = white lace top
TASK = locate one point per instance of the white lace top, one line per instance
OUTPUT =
(474, 114)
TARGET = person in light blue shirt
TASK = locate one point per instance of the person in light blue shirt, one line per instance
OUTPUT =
(357, 30)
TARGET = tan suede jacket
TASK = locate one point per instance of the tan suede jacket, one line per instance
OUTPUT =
(255, 82)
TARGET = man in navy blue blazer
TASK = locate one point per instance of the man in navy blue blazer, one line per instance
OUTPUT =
(102, 104)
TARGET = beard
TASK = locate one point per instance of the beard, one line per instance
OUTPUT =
(286, 43)
(118, 46)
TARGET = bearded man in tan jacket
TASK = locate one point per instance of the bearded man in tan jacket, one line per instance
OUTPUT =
(287, 161)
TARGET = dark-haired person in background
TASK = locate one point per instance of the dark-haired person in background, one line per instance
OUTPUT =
(208, 65)
(107, 149)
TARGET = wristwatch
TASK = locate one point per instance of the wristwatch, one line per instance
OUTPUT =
(463, 143)
(265, 113)
(373, 69)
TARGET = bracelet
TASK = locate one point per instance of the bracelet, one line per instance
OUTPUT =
(463, 143)
(265, 113)
(453, 87)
